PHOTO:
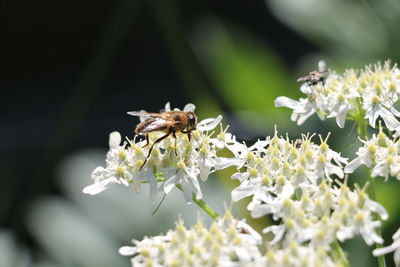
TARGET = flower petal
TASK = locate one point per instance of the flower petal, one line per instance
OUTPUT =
(209, 124)
(114, 140)
(189, 107)
(167, 106)
(127, 251)
(341, 116)
(242, 191)
(390, 121)
(284, 101)
(99, 187)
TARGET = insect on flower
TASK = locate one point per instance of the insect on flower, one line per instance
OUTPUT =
(313, 78)
(298, 142)
(169, 122)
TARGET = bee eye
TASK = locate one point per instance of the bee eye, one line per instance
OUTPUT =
(192, 120)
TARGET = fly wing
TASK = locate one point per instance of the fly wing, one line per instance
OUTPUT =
(143, 114)
(305, 78)
(324, 72)
(152, 124)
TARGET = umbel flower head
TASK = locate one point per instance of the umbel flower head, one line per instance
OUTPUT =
(174, 161)
(395, 246)
(227, 242)
(381, 153)
(369, 94)
(293, 181)
(297, 255)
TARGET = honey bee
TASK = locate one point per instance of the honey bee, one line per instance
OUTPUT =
(169, 122)
(313, 78)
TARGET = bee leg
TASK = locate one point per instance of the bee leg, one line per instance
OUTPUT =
(174, 135)
(147, 141)
(189, 133)
(151, 148)
(186, 132)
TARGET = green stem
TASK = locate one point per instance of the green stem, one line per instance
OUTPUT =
(362, 131)
(372, 195)
(203, 205)
(157, 180)
(339, 254)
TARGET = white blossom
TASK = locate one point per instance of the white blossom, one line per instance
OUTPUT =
(115, 171)
(226, 242)
(295, 254)
(294, 183)
(174, 161)
(381, 153)
(367, 94)
(395, 246)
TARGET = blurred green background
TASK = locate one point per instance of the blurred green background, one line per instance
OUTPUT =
(71, 70)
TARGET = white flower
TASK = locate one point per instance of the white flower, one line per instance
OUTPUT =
(353, 214)
(187, 178)
(380, 153)
(172, 162)
(294, 182)
(340, 108)
(369, 94)
(273, 172)
(364, 155)
(115, 172)
(296, 254)
(227, 242)
(302, 109)
(395, 246)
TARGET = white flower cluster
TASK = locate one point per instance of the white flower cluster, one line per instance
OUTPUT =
(295, 254)
(293, 181)
(227, 242)
(356, 95)
(395, 246)
(380, 153)
(174, 161)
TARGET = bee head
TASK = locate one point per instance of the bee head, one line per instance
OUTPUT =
(192, 121)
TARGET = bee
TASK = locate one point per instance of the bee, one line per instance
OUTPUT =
(169, 122)
(313, 78)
